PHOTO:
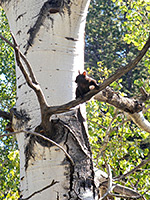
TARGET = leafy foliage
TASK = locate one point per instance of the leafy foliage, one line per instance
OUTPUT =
(9, 159)
(114, 36)
(106, 46)
(117, 141)
(115, 31)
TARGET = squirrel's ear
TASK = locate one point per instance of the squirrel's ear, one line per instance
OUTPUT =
(84, 73)
(79, 71)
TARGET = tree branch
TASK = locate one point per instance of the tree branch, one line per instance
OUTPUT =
(110, 186)
(120, 72)
(43, 137)
(127, 197)
(143, 162)
(31, 80)
(23, 58)
(140, 121)
(5, 115)
(125, 104)
(120, 189)
(41, 190)
(36, 87)
(132, 106)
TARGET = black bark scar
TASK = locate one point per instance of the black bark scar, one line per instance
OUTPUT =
(49, 7)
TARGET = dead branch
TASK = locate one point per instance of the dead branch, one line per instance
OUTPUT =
(140, 121)
(125, 104)
(23, 57)
(5, 115)
(127, 197)
(120, 72)
(132, 107)
(143, 162)
(120, 189)
(110, 186)
(36, 87)
(31, 80)
(108, 132)
(43, 137)
(103, 182)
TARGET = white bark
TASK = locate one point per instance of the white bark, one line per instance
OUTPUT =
(140, 121)
(137, 117)
(55, 59)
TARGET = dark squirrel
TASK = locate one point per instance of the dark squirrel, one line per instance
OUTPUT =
(83, 84)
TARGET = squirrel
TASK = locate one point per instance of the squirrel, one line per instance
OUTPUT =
(83, 84)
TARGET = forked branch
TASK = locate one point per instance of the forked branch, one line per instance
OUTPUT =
(120, 72)
(30, 78)
(46, 110)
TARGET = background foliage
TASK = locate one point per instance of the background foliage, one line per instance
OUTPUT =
(115, 31)
(9, 157)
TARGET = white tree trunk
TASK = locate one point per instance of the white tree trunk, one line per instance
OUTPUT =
(56, 55)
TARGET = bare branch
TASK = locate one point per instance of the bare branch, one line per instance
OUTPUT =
(32, 83)
(110, 186)
(108, 132)
(127, 197)
(120, 189)
(5, 115)
(140, 121)
(41, 190)
(24, 59)
(143, 162)
(132, 106)
(120, 72)
(43, 137)
(126, 104)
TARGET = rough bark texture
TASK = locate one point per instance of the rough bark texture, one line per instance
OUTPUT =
(123, 103)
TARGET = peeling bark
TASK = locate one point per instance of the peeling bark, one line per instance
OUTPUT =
(140, 121)
(133, 107)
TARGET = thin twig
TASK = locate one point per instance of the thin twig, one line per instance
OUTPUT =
(56, 144)
(10, 134)
(32, 83)
(143, 162)
(42, 136)
(96, 122)
(5, 115)
(41, 190)
(23, 57)
(108, 132)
